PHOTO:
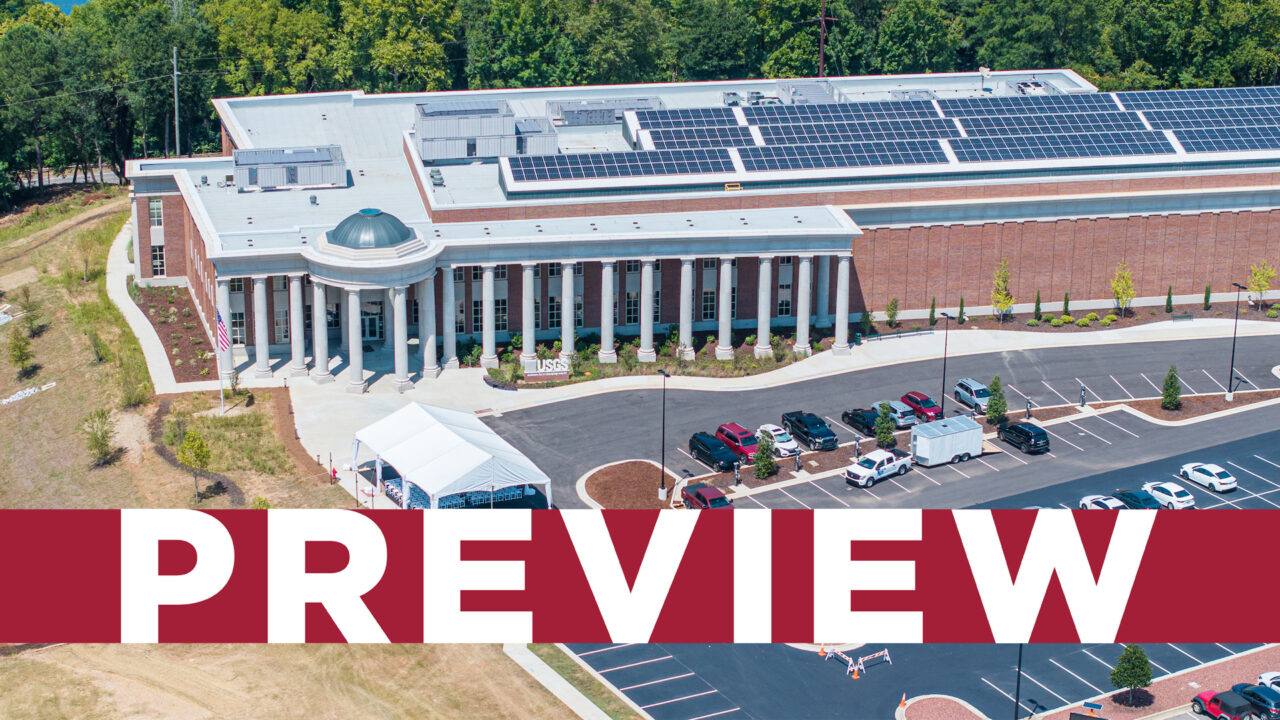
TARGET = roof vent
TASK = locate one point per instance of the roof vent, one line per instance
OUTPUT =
(314, 201)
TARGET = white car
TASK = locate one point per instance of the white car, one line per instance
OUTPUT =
(1170, 495)
(1101, 502)
(1270, 679)
(1209, 475)
(783, 444)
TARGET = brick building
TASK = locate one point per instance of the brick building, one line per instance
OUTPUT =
(362, 222)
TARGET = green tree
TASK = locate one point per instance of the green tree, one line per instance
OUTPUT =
(260, 503)
(917, 36)
(1132, 670)
(1208, 290)
(30, 82)
(704, 40)
(960, 316)
(891, 313)
(395, 44)
(32, 311)
(1171, 393)
(1122, 287)
(933, 312)
(99, 430)
(1260, 277)
(1036, 311)
(194, 455)
(865, 323)
(1066, 303)
(19, 350)
(516, 43)
(1168, 300)
(997, 405)
(269, 47)
(885, 427)
(1001, 298)
(763, 462)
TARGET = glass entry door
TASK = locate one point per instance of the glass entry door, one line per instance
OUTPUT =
(371, 321)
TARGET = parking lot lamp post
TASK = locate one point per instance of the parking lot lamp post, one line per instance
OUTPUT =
(662, 458)
(1017, 685)
(946, 333)
(1231, 373)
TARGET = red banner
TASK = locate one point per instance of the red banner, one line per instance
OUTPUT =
(828, 576)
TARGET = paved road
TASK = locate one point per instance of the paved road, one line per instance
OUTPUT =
(567, 439)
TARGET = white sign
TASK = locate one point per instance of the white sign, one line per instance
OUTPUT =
(557, 365)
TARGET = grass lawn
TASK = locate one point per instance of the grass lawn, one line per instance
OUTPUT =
(36, 217)
(570, 670)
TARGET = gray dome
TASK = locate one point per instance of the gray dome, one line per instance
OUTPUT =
(370, 228)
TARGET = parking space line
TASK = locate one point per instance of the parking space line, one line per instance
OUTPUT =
(846, 427)
(1153, 385)
(984, 462)
(962, 473)
(679, 699)
(1224, 647)
(1197, 660)
(1024, 395)
(793, 497)
(927, 477)
(604, 649)
(833, 496)
(1117, 382)
(686, 453)
(635, 664)
(1266, 461)
(716, 714)
(1087, 430)
(1253, 473)
(1089, 389)
(1095, 657)
(895, 482)
(1189, 388)
(868, 491)
(753, 499)
(1014, 457)
(1215, 382)
(1072, 674)
(1259, 495)
(1116, 426)
(1046, 688)
(1246, 379)
(1055, 392)
(656, 682)
(1064, 506)
(997, 689)
(1162, 668)
(1064, 439)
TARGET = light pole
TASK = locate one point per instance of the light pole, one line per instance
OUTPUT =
(1231, 372)
(1017, 686)
(662, 458)
(946, 334)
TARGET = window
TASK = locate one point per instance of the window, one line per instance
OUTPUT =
(615, 309)
(413, 312)
(458, 275)
(537, 314)
(708, 263)
(733, 302)
(282, 325)
(537, 271)
(553, 313)
(784, 300)
(579, 314)
(500, 314)
(633, 266)
(253, 176)
(236, 285)
(333, 318)
(306, 320)
(237, 328)
(577, 269)
(157, 259)
(460, 318)
(708, 304)
(290, 174)
(553, 270)
(477, 315)
(471, 147)
(155, 208)
(500, 272)
(657, 305)
(477, 272)
(633, 308)
(279, 282)
(784, 260)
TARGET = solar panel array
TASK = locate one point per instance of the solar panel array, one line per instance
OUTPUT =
(686, 117)
(580, 166)
(1027, 105)
(838, 112)
(1229, 139)
(841, 155)
(858, 131)
(1172, 119)
(1087, 122)
(1200, 98)
(706, 137)
(1046, 147)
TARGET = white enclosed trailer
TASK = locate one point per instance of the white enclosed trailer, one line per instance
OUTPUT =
(951, 440)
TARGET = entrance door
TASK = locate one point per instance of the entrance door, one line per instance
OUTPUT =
(371, 325)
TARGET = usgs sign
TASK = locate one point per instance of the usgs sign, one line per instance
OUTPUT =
(548, 371)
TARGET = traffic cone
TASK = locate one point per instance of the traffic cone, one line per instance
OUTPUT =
(903, 702)
(855, 672)
(822, 652)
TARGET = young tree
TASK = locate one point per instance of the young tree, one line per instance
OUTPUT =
(885, 427)
(1208, 290)
(1037, 312)
(98, 430)
(20, 354)
(997, 405)
(1122, 287)
(194, 456)
(1171, 394)
(891, 313)
(933, 312)
(1132, 671)
(1001, 298)
(1260, 277)
(260, 503)
(85, 248)
(31, 311)
(1168, 300)
(1066, 303)
(763, 462)
(865, 324)
(960, 318)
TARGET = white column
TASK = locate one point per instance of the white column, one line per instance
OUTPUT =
(320, 333)
(297, 336)
(427, 326)
(566, 310)
(724, 340)
(355, 345)
(607, 353)
(400, 336)
(489, 346)
(448, 317)
(686, 308)
(223, 292)
(261, 325)
(387, 319)
(646, 352)
(764, 308)
(802, 304)
(841, 345)
(824, 290)
(528, 322)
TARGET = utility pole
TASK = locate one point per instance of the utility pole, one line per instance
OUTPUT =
(177, 136)
(822, 20)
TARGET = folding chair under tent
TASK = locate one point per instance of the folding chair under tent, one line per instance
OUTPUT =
(446, 453)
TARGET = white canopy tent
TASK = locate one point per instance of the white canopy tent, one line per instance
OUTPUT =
(446, 453)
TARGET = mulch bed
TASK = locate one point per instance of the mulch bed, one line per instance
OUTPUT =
(630, 485)
(1195, 405)
(1135, 317)
(176, 320)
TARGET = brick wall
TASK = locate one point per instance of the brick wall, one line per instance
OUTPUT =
(227, 144)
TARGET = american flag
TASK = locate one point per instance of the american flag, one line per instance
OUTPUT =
(224, 340)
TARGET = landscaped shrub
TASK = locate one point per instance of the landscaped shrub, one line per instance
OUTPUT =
(1067, 318)
(750, 340)
(1084, 322)
(1056, 322)
(1033, 323)
(1108, 320)
(1273, 314)
(1093, 317)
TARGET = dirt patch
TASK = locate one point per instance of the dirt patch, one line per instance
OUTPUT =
(1195, 405)
(17, 279)
(632, 484)
(176, 320)
(132, 435)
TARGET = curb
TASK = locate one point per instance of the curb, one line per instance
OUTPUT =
(901, 712)
(554, 682)
(581, 485)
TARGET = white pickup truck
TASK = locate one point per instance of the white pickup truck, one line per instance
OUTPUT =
(877, 465)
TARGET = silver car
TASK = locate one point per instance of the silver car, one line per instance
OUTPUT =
(972, 393)
(902, 414)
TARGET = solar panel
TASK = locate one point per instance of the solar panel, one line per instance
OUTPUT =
(1045, 147)
(1027, 105)
(840, 111)
(1229, 139)
(1088, 122)
(686, 117)
(578, 166)
(799, 134)
(841, 155)
(683, 138)
(1200, 97)
(1213, 117)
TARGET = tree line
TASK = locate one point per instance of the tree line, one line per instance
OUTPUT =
(97, 84)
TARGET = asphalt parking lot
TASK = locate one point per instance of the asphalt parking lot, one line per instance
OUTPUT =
(657, 681)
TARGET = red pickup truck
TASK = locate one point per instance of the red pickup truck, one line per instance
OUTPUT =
(704, 497)
(1222, 706)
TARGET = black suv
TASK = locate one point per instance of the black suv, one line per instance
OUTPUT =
(1026, 437)
(809, 429)
(705, 447)
(861, 419)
